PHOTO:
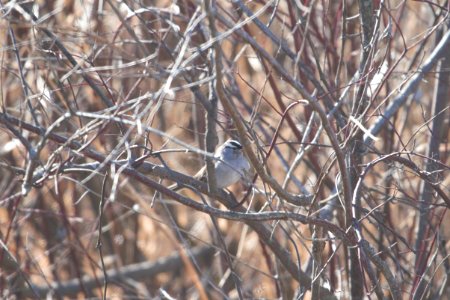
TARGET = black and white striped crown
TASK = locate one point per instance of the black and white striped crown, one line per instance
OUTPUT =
(233, 144)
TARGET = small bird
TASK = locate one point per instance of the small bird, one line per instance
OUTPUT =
(230, 166)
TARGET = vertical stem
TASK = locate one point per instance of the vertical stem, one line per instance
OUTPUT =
(355, 156)
(440, 101)
(317, 251)
(211, 134)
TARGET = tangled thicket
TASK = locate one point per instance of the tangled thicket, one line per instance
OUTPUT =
(342, 108)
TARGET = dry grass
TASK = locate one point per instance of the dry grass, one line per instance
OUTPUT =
(92, 85)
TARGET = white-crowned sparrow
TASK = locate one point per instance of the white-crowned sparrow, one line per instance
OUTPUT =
(230, 166)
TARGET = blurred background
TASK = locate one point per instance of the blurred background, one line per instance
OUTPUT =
(85, 84)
